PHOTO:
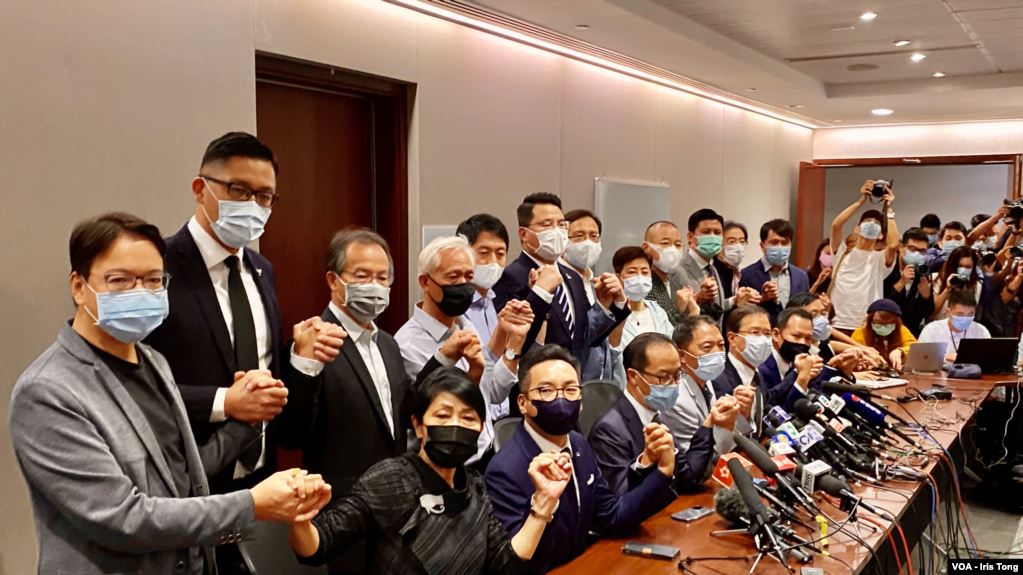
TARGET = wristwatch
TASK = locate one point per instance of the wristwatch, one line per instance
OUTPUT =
(511, 355)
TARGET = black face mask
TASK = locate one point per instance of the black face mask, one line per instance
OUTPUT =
(557, 417)
(450, 446)
(789, 350)
(456, 299)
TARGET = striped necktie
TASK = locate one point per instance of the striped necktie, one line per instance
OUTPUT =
(561, 296)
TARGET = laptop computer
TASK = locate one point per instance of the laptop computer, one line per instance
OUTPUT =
(993, 355)
(925, 357)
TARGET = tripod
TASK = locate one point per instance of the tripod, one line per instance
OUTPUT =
(765, 541)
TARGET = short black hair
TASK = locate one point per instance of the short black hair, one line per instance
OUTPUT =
(930, 221)
(788, 313)
(683, 334)
(238, 145)
(915, 234)
(779, 226)
(977, 219)
(957, 226)
(703, 215)
(802, 299)
(735, 317)
(872, 215)
(734, 225)
(525, 210)
(625, 255)
(91, 238)
(549, 352)
(475, 225)
(635, 354)
(580, 214)
(963, 297)
(452, 380)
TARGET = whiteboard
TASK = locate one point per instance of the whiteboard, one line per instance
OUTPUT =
(626, 209)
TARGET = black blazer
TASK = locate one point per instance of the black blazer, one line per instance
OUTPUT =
(727, 275)
(197, 345)
(591, 324)
(617, 441)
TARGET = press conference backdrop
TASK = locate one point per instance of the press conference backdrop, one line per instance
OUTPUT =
(626, 209)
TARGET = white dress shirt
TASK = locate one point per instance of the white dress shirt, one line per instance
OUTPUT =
(551, 447)
(743, 424)
(483, 316)
(421, 338)
(725, 303)
(213, 256)
(782, 279)
(365, 341)
(686, 417)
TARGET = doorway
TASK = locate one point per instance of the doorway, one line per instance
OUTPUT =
(341, 140)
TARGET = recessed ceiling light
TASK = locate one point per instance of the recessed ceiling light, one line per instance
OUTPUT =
(938, 75)
(837, 121)
(582, 26)
(868, 16)
(901, 43)
(843, 28)
(751, 89)
(795, 106)
(918, 57)
(882, 112)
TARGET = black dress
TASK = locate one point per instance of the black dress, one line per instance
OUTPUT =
(412, 522)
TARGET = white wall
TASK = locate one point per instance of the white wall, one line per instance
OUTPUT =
(109, 106)
(952, 192)
(958, 139)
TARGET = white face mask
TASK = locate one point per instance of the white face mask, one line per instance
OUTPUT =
(667, 258)
(485, 276)
(583, 255)
(733, 254)
(552, 243)
(637, 287)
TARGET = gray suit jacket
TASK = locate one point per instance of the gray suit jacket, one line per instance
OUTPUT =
(102, 493)
(691, 273)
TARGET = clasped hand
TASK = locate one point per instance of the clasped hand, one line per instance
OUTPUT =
(291, 496)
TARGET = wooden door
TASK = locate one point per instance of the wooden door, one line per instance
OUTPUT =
(809, 212)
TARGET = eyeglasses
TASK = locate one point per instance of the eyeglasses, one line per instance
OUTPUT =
(550, 393)
(665, 379)
(242, 193)
(362, 277)
(123, 281)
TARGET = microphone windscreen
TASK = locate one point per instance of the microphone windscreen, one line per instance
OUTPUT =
(728, 504)
(832, 485)
(756, 454)
(805, 409)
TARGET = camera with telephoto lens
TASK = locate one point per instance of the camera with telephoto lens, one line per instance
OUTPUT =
(1012, 219)
(878, 191)
(921, 271)
(956, 281)
(1016, 251)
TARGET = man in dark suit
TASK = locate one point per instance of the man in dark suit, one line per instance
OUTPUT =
(224, 324)
(728, 260)
(357, 412)
(774, 275)
(550, 398)
(630, 438)
(748, 331)
(554, 291)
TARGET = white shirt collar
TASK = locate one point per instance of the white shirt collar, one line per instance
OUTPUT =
(540, 263)
(209, 248)
(355, 331)
(545, 445)
(431, 325)
(767, 266)
(646, 415)
(704, 262)
(745, 372)
(783, 366)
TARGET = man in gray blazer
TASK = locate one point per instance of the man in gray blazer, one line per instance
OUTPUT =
(117, 482)
(696, 267)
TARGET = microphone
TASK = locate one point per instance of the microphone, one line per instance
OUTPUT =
(763, 461)
(872, 414)
(728, 503)
(861, 390)
(760, 520)
(838, 488)
(809, 412)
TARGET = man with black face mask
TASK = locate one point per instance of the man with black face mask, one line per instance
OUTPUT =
(356, 413)
(790, 370)
(550, 400)
(438, 334)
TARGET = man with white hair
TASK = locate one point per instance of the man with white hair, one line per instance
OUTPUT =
(438, 334)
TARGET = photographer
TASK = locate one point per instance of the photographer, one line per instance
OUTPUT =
(909, 285)
(959, 272)
(951, 238)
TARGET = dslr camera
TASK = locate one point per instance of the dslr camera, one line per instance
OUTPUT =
(921, 271)
(878, 191)
(1012, 219)
(956, 281)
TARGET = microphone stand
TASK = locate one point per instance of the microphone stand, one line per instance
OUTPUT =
(851, 505)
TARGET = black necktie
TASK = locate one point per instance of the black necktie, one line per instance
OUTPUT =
(706, 395)
(246, 356)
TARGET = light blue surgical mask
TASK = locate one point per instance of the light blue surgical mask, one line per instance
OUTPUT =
(870, 229)
(913, 258)
(709, 366)
(129, 316)
(964, 273)
(949, 246)
(238, 223)
(821, 328)
(636, 288)
(758, 349)
(932, 239)
(961, 323)
(777, 255)
(661, 397)
(709, 245)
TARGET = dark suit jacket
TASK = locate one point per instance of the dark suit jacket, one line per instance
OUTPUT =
(197, 345)
(599, 509)
(755, 276)
(338, 421)
(727, 275)
(617, 441)
(592, 325)
(771, 396)
(782, 390)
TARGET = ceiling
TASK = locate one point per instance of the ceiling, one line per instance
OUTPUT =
(815, 58)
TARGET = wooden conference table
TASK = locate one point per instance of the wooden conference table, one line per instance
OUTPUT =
(912, 508)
